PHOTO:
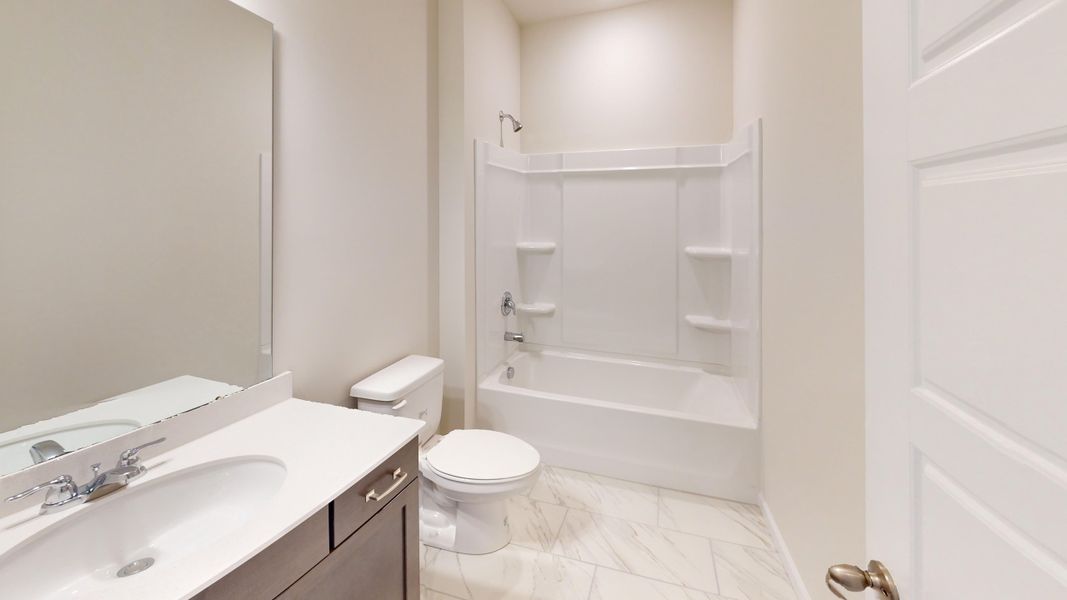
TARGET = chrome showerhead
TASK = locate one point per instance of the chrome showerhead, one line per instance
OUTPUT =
(516, 125)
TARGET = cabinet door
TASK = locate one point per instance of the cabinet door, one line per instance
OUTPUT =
(274, 569)
(380, 561)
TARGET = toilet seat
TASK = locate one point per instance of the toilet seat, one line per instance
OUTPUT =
(479, 456)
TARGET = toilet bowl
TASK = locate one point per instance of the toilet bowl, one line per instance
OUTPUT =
(467, 475)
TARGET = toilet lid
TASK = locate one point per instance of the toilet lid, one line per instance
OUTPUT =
(482, 455)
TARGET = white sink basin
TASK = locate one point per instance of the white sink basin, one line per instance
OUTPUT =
(155, 523)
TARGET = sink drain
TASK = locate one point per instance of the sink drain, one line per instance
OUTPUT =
(135, 567)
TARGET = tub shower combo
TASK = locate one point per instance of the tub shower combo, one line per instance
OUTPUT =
(618, 310)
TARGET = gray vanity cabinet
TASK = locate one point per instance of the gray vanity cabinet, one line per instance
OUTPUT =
(380, 561)
(354, 549)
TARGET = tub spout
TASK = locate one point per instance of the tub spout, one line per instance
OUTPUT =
(513, 337)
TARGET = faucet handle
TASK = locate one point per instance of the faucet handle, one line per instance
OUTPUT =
(130, 457)
(507, 304)
(63, 486)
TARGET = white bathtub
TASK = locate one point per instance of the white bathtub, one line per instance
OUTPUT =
(672, 426)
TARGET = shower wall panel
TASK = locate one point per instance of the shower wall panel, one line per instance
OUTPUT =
(650, 253)
(619, 251)
(741, 191)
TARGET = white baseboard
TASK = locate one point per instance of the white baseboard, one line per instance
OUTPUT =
(783, 551)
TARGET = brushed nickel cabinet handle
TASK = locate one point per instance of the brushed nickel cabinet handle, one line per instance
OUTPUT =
(398, 478)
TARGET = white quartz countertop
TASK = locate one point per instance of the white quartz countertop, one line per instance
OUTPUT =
(325, 449)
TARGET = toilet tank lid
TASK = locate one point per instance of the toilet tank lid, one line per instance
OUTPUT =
(398, 379)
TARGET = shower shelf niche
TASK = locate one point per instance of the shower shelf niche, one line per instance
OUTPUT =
(539, 309)
(706, 323)
(708, 252)
(536, 247)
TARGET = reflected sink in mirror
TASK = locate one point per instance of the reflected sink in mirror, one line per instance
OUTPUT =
(15, 454)
(110, 418)
(126, 537)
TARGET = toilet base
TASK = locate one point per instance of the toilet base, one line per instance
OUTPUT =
(463, 527)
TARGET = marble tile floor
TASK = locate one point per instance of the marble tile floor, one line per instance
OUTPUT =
(577, 536)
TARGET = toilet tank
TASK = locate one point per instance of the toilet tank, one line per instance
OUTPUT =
(411, 387)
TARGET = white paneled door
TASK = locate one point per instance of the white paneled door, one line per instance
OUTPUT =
(966, 234)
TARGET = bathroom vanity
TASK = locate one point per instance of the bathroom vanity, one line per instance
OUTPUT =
(364, 544)
(293, 500)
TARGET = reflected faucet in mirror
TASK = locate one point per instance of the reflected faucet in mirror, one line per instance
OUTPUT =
(46, 450)
(63, 492)
(36, 443)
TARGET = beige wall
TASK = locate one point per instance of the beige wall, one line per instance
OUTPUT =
(798, 66)
(353, 202)
(652, 74)
(479, 66)
(129, 198)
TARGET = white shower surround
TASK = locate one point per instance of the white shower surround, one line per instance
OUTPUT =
(632, 270)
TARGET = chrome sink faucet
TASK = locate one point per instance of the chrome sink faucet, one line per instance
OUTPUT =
(63, 493)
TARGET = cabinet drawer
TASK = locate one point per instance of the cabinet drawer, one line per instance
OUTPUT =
(353, 508)
(270, 572)
(378, 562)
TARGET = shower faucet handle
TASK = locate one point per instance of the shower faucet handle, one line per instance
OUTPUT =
(507, 304)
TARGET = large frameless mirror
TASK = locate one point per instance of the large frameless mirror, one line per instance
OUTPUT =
(135, 177)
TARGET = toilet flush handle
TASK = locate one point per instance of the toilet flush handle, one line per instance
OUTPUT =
(399, 405)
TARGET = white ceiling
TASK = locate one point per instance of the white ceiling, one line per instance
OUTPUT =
(532, 11)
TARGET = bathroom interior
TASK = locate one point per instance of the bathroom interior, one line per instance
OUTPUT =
(511, 299)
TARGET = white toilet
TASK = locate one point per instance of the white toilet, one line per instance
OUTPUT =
(466, 475)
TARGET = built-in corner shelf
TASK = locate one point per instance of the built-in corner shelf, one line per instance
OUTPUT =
(709, 323)
(540, 309)
(536, 247)
(708, 252)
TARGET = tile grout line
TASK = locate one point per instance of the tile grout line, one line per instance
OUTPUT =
(721, 541)
(710, 541)
(439, 592)
(559, 530)
(629, 481)
(653, 579)
(659, 509)
(715, 568)
(625, 572)
(659, 506)
(667, 529)
(763, 531)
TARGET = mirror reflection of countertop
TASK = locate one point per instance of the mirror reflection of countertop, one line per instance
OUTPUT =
(109, 418)
(276, 468)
